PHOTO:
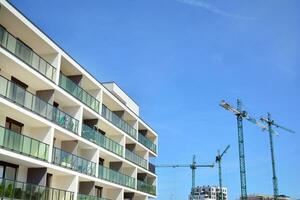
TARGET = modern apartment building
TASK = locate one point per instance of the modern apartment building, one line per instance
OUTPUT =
(63, 134)
(208, 193)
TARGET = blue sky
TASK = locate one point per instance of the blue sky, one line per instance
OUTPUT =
(178, 59)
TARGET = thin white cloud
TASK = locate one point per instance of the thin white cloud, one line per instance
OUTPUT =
(214, 9)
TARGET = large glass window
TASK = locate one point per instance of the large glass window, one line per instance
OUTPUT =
(8, 171)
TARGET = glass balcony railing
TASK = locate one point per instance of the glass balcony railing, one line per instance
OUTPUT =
(23, 98)
(88, 197)
(102, 141)
(117, 121)
(79, 93)
(10, 189)
(71, 161)
(146, 142)
(24, 53)
(133, 157)
(23, 144)
(146, 187)
(115, 177)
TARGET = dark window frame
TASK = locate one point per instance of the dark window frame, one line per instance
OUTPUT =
(98, 191)
(6, 164)
(18, 82)
(11, 121)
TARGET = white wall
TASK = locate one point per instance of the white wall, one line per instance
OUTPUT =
(115, 194)
(2, 119)
(22, 173)
(65, 182)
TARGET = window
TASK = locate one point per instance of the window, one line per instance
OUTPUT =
(55, 104)
(101, 161)
(18, 89)
(8, 171)
(48, 180)
(55, 111)
(12, 139)
(19, 83)
(100, 131)
(98, 191)
(13, 125)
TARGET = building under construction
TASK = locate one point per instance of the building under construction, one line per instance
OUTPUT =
(267, 197)
(208, 193)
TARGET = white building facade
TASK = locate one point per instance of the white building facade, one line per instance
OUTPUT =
(208, 193)
(63, 134)
(266, 197)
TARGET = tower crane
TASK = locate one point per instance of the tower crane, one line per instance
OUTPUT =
(240, 115)
(270, 122)
(193, 167)
(218, 160)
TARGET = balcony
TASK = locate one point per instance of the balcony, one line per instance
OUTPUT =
(73, 162)
(24, 53)
(25, 99)
(133, 157)
(102, 141)
(10, 189)
(146, 142)
(88, 197)
(145, 187)
(115, 177)
(79, 93)
(22, 144)
(118, 122)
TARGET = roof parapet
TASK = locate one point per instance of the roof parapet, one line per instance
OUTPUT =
(122, 96)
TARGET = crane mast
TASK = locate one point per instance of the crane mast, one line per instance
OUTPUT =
(220, 197)
(193, 167)
(274, 178)
(270, 124)
(218, 160)
(239, 118)
(240, 115)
